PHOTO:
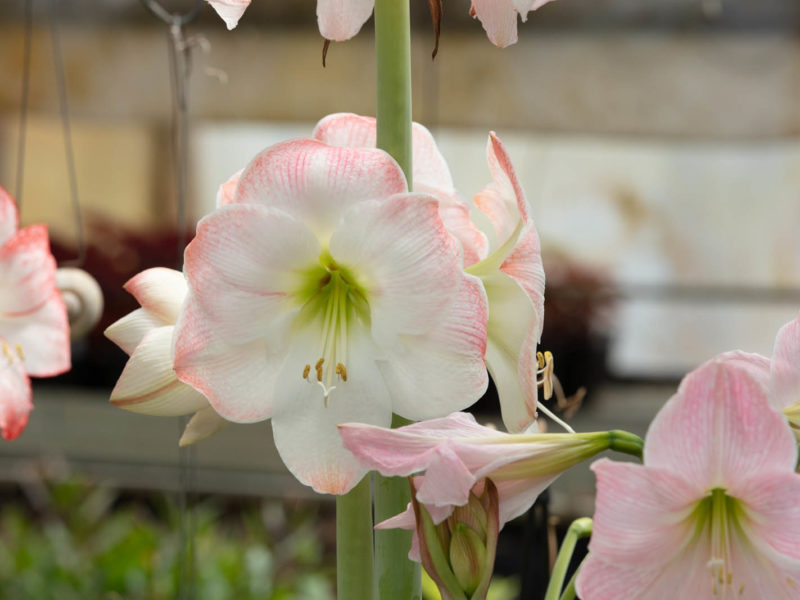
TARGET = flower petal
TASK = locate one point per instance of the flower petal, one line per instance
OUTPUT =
(128, 331)
(499, 19)
(524, 265)
(237, 378)
(785, 367)
(718, 430)
(227, 191)
(27, 272)
(148, 384)
(9, 217)
(511, 350)
(43, 336)
(301, 415)
(15, 396)
(159, 290)
(205, 423)
(230, 11)
(243, 266)
(339, 20)
(316, 183)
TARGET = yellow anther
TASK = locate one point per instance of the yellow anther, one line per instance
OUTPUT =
(7, 352)
(306, 371)
(546, 368)
(318, 368)
(20, 352)
(540, 360)
(341, 371)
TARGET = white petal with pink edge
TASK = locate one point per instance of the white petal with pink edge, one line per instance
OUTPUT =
(205, 423)
(43, 336)
(718, 429)
(128, 331)
(15, 394)
(159, 290)
(230, 11)
(316, 183)
(9, 217)
(339, 20)
(499, 19)
(27, 271)
(148, 384)
(302, 414)
(227, 191)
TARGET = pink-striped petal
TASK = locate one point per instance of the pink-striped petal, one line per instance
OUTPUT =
(302, 415)
(718, 430)
(15, 394)
(785, 366)
(230, 11)
(524, 265)
(205, 423)
(43, 336)
(227, 191)
(159, 290)
(339, 20)
(9, 217)
(316, 183)
(27, 272)
(148, 384)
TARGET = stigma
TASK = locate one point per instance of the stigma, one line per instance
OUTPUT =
(325, 378)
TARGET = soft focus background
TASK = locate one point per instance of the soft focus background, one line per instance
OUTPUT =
(659, 144)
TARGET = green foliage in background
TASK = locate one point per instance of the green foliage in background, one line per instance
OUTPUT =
(82, 544)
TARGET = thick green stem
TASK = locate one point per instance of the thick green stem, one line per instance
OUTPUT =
(354, 553)
(398, 577)
(580, 528)
(626, 442)
(393, 52)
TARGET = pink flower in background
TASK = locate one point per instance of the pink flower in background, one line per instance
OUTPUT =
(456, 454)
(34, 330)
(148, 384)
(785, 373)
(326, 293)
(506, 256)
(713, 512)
(339, 20)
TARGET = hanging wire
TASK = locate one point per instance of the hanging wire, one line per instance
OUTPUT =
(23, 101)
(61, 87)
(180, 66)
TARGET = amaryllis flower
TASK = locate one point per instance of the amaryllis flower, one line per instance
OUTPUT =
(785, 373)
(148, 384)
(713, 512)
(507, 256)
(456, 454)
(34, 330)
(326, 293)
(339, 20)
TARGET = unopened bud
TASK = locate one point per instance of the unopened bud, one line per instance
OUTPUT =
(467, 557)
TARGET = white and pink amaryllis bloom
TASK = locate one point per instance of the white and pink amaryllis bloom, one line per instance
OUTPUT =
(502, 249)
(457, 454)
(327, 293)
(713, 512)
(34, 329)
(148, 384)
(340, 20)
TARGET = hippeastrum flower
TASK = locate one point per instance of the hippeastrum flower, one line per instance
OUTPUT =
(148, 384)
(513, 277)
(339, 20)
(34, 330)
(512, 273)
(785, 373)
(456, 453)
(327, 293)
(713, 512)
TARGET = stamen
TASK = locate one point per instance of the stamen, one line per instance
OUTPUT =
(20, 352)
(341, 371)
(7, 352)
(306, 371)
(546, 365)
(318, 368)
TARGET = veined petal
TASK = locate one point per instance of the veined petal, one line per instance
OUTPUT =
(128, 331)
(301, 414)
(785, 367)
(442, 370)
(456, 218)
(230, 11)
(227, 191)
(511, 349)
(316, 183)
(205, 423)
(43, 336)
(524, 265)
(339, 20)
(148, 384)
(15, 396)
(159, 290)
(27, 272)
(499, 19)
(9, 217)
(718, 430)
(237, 378)
(243, 266)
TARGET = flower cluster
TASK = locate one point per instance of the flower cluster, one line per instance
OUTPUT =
(339, 20)
(322, 291)
(34, 330)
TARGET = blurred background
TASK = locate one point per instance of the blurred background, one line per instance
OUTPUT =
(659, 145)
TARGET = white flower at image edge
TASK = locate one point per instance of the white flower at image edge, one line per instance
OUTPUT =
(327, 293)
